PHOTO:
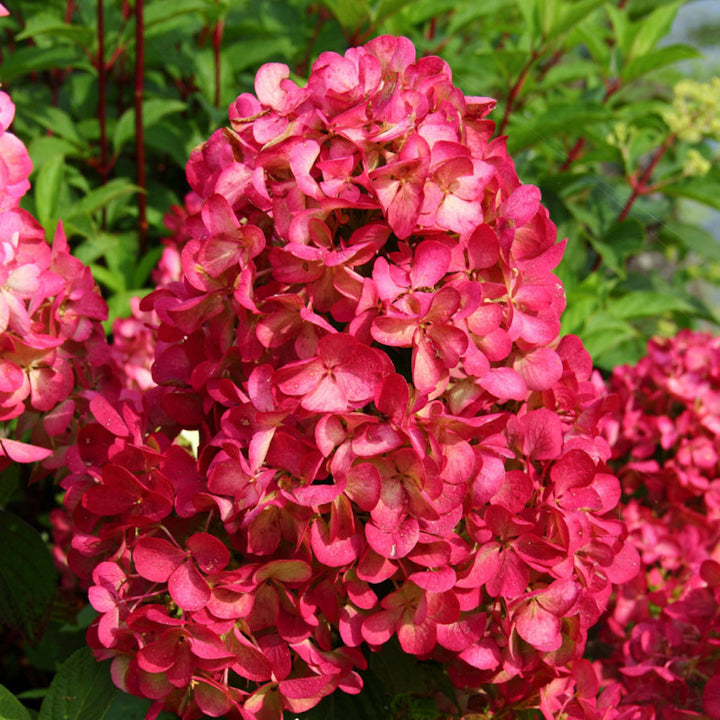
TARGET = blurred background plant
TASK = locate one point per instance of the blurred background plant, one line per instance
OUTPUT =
(615, 123)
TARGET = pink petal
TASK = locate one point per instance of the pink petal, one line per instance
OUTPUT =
(209, 552)
(188, 587)
(430, 264)
(156, 559)
(108, 417)
(22, 452)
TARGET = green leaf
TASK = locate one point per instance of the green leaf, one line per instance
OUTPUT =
(254, 52)
(9, 482)
(656, 59)
(44, 148)
(46, 24)
(702, 190)
(647, 303)
(10, 707)
(559, 120)
(692, 238)
(652, 28)
(572, 14)
(48, 186)
(154, 109)
(603, 332)
(36, 59)
(100, 197)
(620, 242)
(129, 707)
(158, 13)
(112, 280)
(387, 8)
(59, 123)
(82, 690)
(351, 14)
(27, 577)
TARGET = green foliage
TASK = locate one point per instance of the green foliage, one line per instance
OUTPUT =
(27, 577)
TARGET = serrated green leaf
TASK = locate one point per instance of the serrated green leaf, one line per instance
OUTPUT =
(646, 303)
(351, 14)
(27, 577)
(82, 690)
(10, 707)
(99, 197)
(48, 187)
(692, 238)
(154, 110)
(655, 59)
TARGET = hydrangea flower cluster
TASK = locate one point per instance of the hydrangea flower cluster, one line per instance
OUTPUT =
(51, 339)
(665, 624)
(364, 425)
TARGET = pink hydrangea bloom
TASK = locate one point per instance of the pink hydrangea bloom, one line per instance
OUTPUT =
(360, 332)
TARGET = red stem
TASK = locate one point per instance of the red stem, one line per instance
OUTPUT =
(515, 91)
(640, 187)
(577, 148)
(217, 44)
(102, 95)
(139, 135)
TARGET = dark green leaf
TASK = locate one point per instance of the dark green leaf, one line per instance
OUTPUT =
(619, 243)
(560, 120)
(27, 577)
(153, 111)
(10, 707)
(35, 59)
(46, 24)
(129, 707)
(82, 690)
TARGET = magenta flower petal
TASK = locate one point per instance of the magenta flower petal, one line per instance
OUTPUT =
(209, 552)
(157, 559)
(188, 588)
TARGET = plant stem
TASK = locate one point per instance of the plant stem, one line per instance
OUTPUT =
(515, 91)
(139, 135)
(217, 44)
(640, 186)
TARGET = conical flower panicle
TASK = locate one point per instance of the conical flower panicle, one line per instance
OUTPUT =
(388, 437)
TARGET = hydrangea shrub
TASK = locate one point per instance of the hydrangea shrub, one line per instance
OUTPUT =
(664, 625)
(389, 438)
(346, 418)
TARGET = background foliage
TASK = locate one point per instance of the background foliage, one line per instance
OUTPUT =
(599, 115)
